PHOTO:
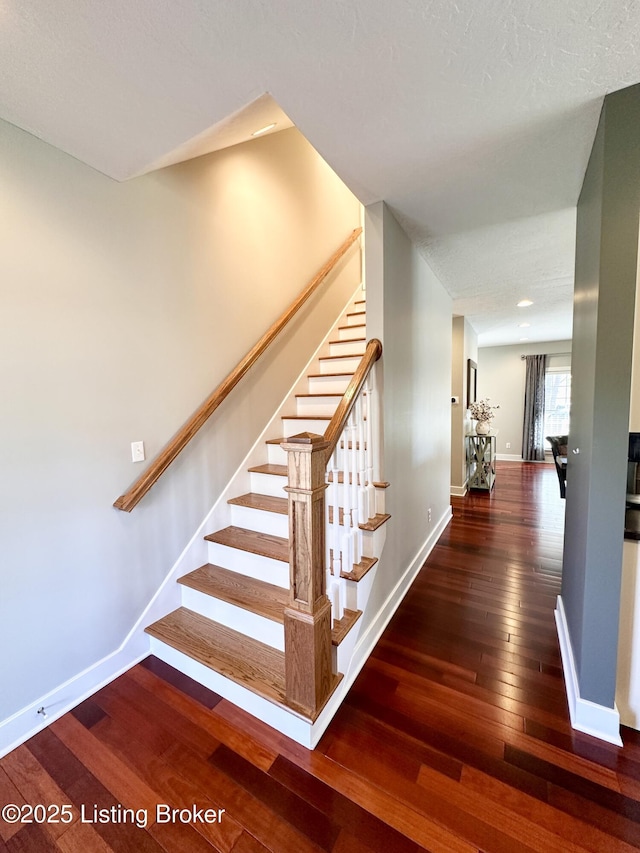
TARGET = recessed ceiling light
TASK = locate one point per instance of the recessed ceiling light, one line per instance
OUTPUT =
(523, 325)
(264, 129)
(524, 303)
(524, 339)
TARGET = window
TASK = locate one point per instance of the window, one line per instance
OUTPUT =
(557, 390)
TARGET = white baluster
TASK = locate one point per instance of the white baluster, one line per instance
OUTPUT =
(353, 453)
(335, 503)
(337, 605)
(347, 539)
(370, 450)
(363, 515)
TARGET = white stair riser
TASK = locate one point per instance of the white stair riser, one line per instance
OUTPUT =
(347, 347)
(354, 331)
(322, 406)
(262, 629)
(329, 384)
(276, 455)
(268, 484)
(257, 519)
(357, 318)
(292, 426)
(253, 565)
(346, 364)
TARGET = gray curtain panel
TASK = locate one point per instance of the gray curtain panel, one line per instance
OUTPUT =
(533, 426)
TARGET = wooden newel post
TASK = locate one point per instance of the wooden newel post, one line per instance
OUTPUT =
(307, 619)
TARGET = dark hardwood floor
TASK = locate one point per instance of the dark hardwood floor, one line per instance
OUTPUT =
(455, 737)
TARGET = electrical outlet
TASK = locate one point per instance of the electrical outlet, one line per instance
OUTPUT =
(137, 451)
(508, 445)
(429, 515)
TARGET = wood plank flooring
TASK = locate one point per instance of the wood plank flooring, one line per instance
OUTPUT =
(454, 739)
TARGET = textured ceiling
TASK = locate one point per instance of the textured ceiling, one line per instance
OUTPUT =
(474, 121)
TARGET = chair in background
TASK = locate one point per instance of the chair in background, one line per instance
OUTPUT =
(559, 449)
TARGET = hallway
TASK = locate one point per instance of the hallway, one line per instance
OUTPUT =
(455, 737)
(461, 711)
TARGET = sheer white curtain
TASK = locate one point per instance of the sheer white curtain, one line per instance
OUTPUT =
(533, 426)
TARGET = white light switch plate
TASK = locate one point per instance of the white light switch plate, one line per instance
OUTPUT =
(137, 451)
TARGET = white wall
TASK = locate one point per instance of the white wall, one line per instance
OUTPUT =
(501, 377)
(411, 314)
(123, 306)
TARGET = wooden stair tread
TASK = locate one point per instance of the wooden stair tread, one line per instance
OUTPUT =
(342, 627)
(259, 597)
(344, 374)
(306, 418)
(353, 326)
(372, 523)
(265, 599)
(337, 357)
(321, 394)
(270, 468)
(360, 569)
(376, 521)
(264, 544)
(268, 503)
(240, 658)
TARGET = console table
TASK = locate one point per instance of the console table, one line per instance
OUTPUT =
(481, 461)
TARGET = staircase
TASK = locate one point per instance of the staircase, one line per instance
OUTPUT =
(228, 632)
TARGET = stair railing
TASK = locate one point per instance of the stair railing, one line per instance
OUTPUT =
(351, 444)
(170, 451)
(352, 470)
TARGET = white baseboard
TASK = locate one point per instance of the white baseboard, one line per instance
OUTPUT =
(373, 632)
(508, 457)
(586, 716)
(458, 491)
(27, 722)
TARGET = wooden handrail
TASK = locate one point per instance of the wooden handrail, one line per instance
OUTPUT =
(337, 424)
(139, 489)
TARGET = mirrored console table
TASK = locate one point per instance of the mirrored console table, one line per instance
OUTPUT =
(481, 461)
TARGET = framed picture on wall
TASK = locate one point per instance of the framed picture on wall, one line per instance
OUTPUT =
(472, 382)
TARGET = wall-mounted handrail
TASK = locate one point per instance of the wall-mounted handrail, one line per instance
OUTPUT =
(139, 489)
(337, 423)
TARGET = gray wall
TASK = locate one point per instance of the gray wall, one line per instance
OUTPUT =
(606, 267)
(410, 312)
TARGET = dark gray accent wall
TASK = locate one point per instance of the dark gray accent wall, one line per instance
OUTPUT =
(604, 300)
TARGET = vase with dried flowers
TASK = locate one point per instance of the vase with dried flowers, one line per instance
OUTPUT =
(482, 412)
